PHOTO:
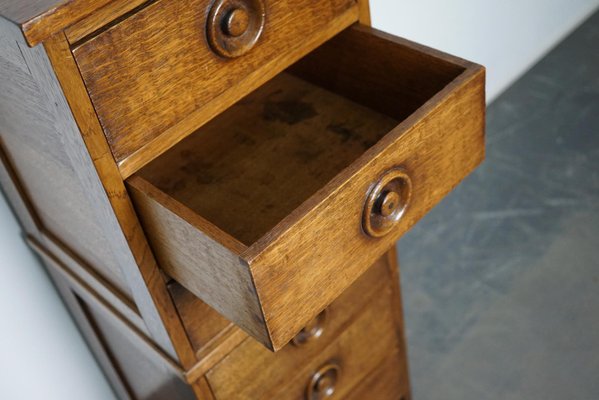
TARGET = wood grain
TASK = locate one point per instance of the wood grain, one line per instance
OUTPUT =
(209, 267)
(286, 172)
(147, 285)
(203, 323)
(91, 297)
(147, 75)
(16, 195)
(39, 141)
(100, 18)
(89, 332)
(215, 351)
(46, 243)
(147, 376)
(211, 335)
(40, 19)
(258, 161)
(439, 144)
(202, 389)
(386, 382)
(251, 371)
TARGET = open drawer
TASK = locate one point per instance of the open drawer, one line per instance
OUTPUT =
(272, 209)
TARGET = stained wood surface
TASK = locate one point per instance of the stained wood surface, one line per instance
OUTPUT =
(259, 160)
(250, 371)
(88, 278)
(147, 75)
(146, 376)
(439, 144)
(88, 330)
(39, 136)
(16, 196)
(40, 19)
(103, 306)
(386, 382)
(223, 279)
(357, 349)
(112, 11)
(116, 212)
(286, 171)
(202, 323)
(212, 336)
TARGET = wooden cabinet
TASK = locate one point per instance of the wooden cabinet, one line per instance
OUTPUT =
(216, 187)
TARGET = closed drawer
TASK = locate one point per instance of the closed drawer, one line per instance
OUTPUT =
(158, 70)
(252, 372)
(272, 209)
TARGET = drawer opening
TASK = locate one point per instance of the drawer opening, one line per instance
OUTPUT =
(255, 163)
(259, 212)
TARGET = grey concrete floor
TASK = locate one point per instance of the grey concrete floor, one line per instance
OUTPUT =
(501, 280)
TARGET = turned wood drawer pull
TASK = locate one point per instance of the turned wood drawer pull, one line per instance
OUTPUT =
(386, 202)
(312, 331)
(234, 26)
(323, 383)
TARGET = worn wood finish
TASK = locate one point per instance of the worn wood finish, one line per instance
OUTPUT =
(40, 19)
(211, 335)
(257, 371)
(87, 277)
(91, 297)
(358, 349)
(286, 171)
(225, 283)
(257, 211)
(202, 389)
(147, 75)
(253, 165)
(16, 195)
(39, 138)
(439, 144)
(386, 382)
(116, 212)
(146, 376)
(87, 329)
(101, 18)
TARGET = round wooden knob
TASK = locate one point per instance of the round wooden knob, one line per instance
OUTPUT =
(390, 202)
(386, 202)
(234, 26)
(312, 331)
(236, 22)
(323, 382)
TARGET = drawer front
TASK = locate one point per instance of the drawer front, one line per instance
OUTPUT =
(160, 69)
(297, 189)
(252, 372)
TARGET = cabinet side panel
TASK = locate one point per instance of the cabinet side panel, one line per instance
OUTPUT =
(34, 120)
(145, 378)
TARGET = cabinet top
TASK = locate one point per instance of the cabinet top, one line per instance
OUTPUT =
(40, 19)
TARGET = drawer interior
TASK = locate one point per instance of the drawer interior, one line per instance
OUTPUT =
(251, 166)
(259, 212)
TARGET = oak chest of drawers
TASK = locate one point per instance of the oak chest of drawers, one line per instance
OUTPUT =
(216, 186)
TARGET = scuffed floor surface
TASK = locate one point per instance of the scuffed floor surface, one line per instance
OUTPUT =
(501, 280)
